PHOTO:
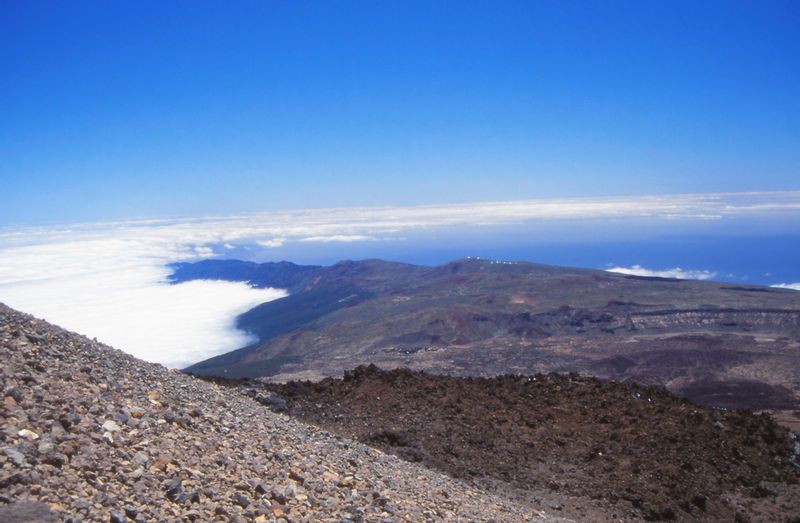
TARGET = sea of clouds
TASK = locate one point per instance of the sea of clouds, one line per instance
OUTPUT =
(108, 280)
(675, 272)
(793, 286)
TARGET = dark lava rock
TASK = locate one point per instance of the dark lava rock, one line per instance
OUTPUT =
(14, 479)
(69, 420)
(278, 495)
(17, 457)
(273, 401)
(55, 459)
(35, 338)
(241, 500)
(521, 431)
(174, 490)
(16, 394)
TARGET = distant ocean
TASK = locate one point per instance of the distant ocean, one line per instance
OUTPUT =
(725, 255)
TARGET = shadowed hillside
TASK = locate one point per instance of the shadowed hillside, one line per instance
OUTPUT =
(483, 318)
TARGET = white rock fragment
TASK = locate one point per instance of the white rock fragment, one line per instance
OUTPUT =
(28, 434)
(111, 426)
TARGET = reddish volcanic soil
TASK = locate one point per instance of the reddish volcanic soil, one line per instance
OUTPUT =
(591, 449)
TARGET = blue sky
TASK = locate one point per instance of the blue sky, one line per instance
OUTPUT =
(116, 110)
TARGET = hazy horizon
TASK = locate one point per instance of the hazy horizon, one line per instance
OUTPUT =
(108, 280)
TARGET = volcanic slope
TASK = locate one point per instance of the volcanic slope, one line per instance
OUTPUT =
(718, 344)
(92, 434)
(595, 450)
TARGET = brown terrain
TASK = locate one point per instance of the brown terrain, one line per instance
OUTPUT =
(589, 449)
(718, 344)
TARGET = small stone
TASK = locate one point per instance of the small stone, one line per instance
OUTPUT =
(14, 479)
(241, 500)
(160, 463)
(273, 401)
(28, 434)
(174, 489)
(111, 426)
(140, 458)
(35, 338)
(17, 457)
(278, 495)
(137, 412)
(297, 475)
(69, 420)
(330, 476)
(15, 394)
(55, 459)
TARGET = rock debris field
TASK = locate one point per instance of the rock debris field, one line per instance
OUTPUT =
(588, 449)
(90, 433)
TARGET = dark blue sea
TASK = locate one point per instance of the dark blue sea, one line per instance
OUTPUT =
(758, 253)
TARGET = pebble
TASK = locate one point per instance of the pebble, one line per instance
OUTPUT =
(28, 434)
(111, 426)
(18, 458)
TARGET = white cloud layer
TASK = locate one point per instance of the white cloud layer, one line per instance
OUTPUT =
(107, 279)
(272, 243)
(110, 284)
(677, 272)
(134, 310)
(338, 238)
(793, 286)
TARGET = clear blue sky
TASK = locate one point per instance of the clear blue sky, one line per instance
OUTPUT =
(112, 110)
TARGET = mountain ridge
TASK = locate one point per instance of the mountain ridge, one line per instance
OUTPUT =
(474, 317)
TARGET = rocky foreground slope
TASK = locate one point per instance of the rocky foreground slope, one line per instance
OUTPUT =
(92, 434)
